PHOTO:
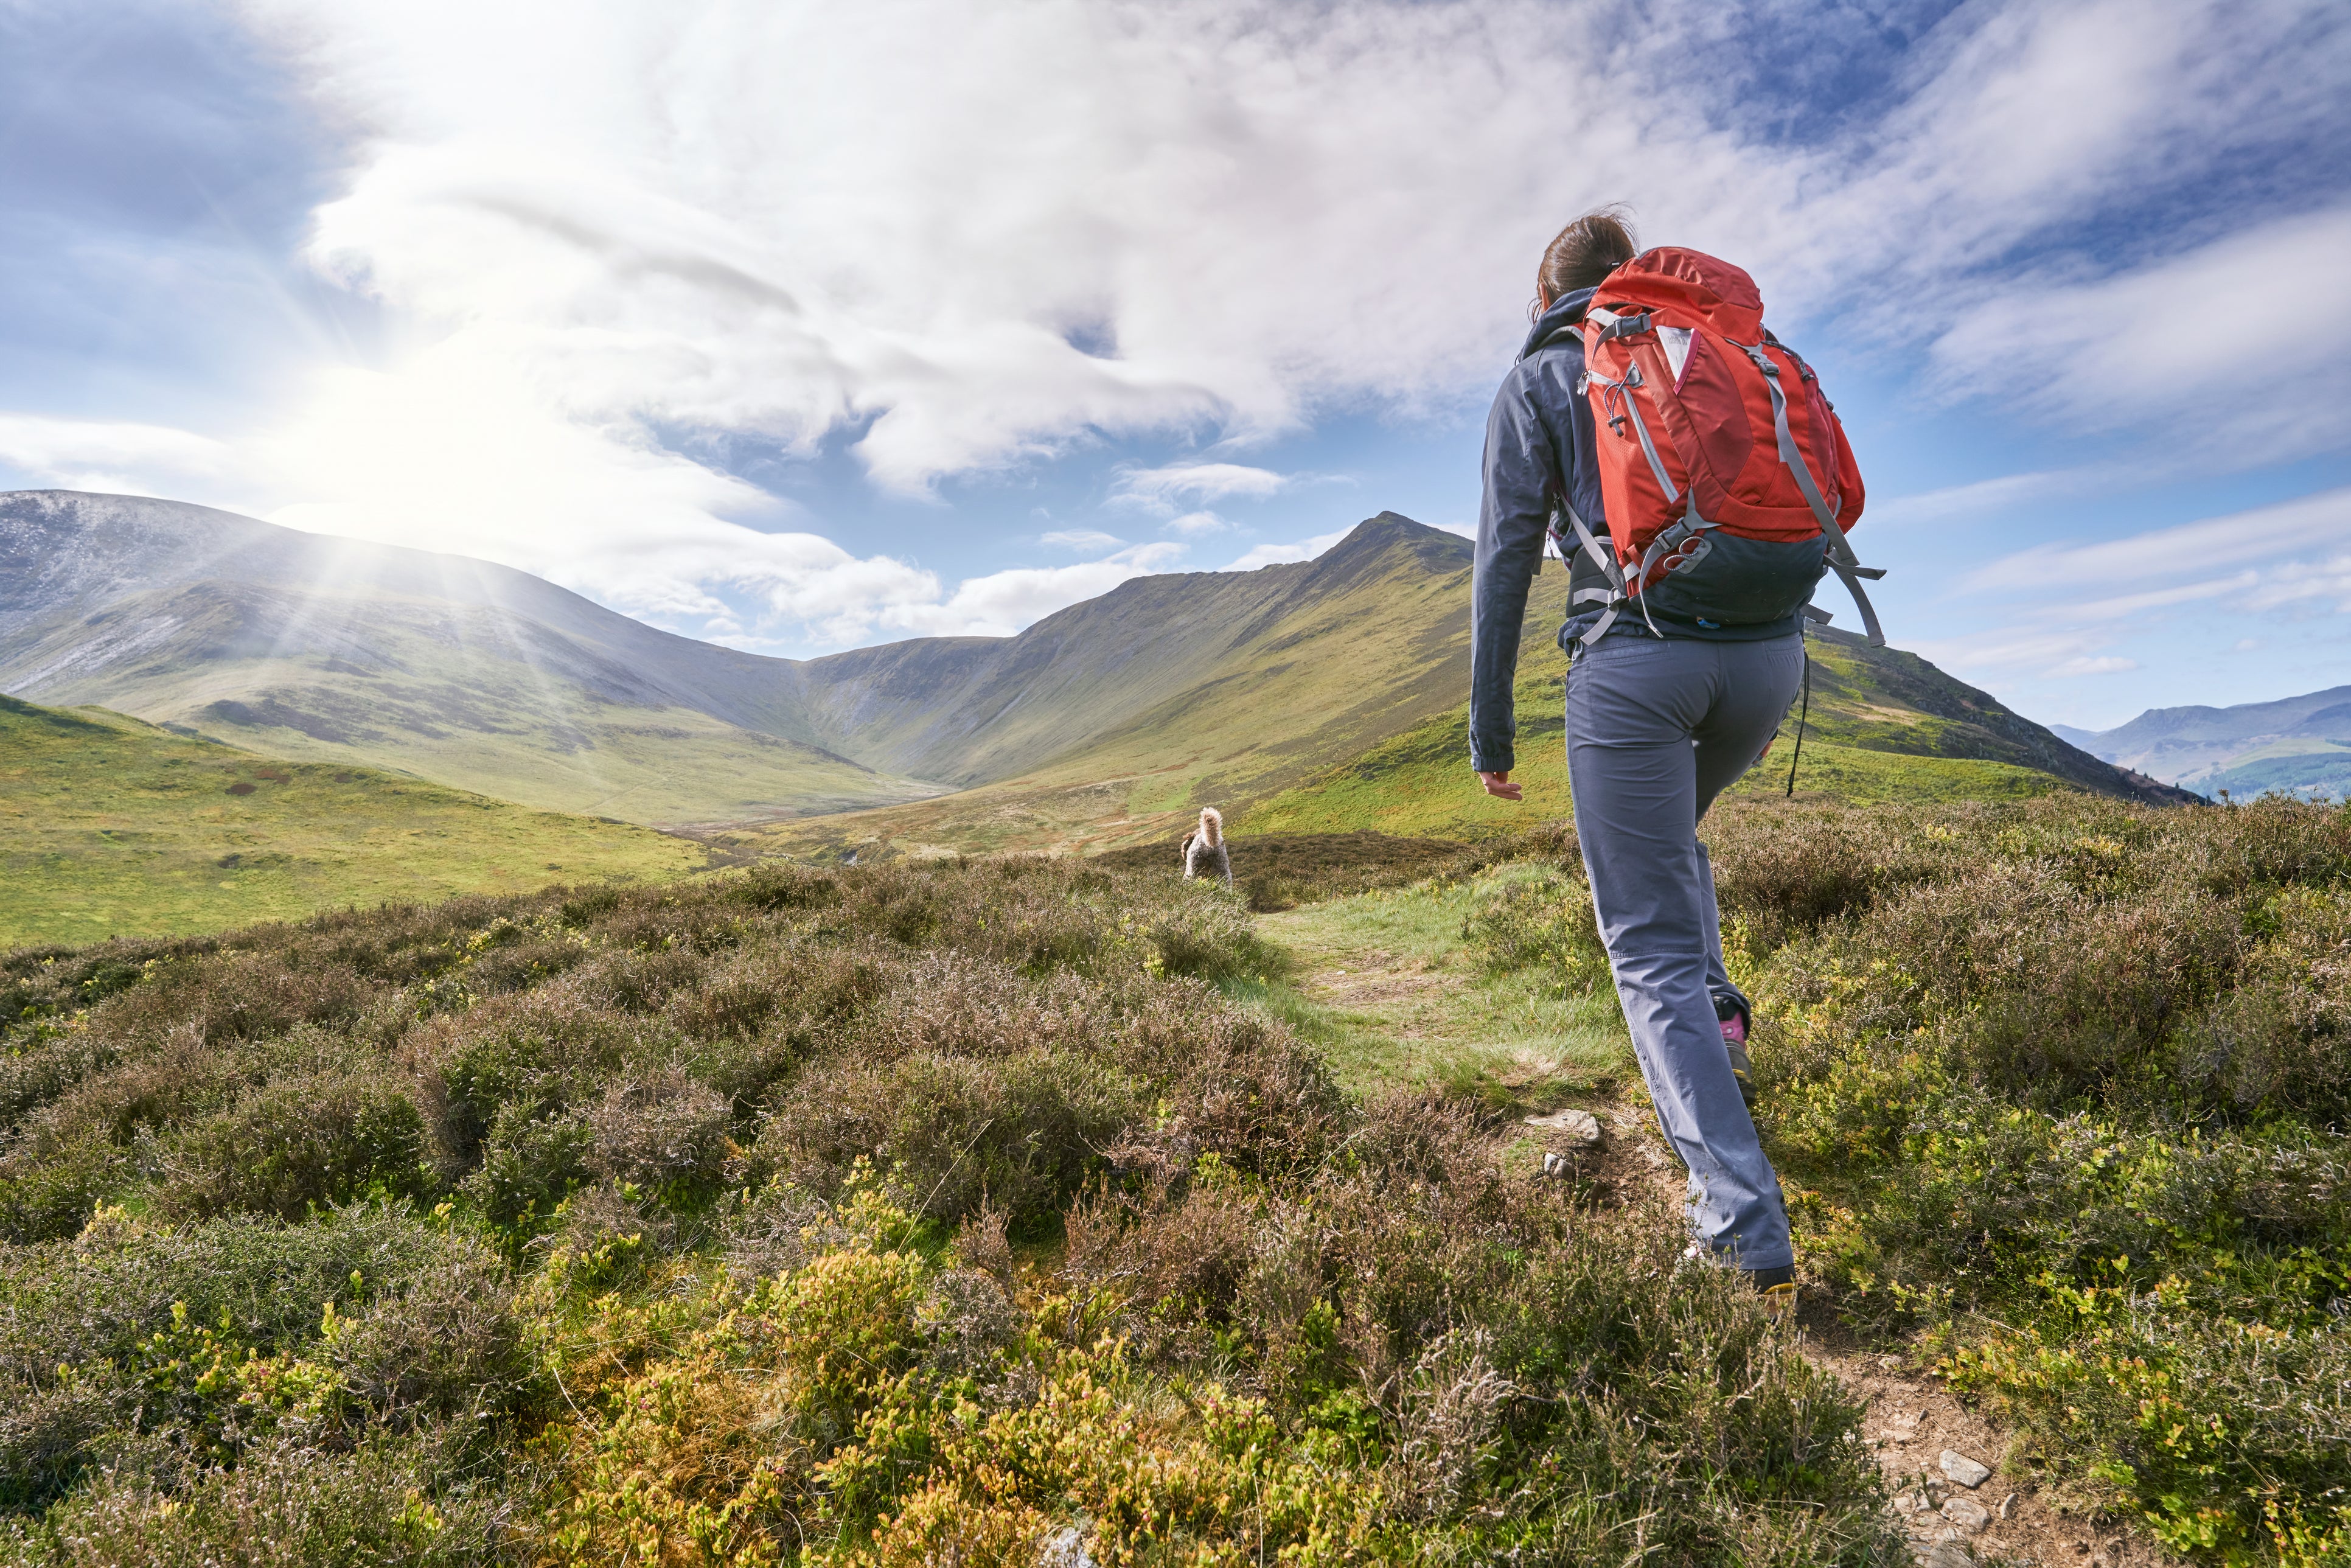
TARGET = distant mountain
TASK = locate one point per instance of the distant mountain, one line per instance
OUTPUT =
(1883, 725)
(1095, 725)
(2295, 746)
(302, 645)
(477, 675)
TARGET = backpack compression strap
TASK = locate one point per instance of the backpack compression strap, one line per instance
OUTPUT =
(1613, 596)
(1842, 561)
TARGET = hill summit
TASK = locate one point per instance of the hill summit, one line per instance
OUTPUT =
(1097, 725)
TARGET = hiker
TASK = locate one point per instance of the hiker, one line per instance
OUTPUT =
(1685, 652)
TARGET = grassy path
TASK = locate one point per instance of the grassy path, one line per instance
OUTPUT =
(1386, 985)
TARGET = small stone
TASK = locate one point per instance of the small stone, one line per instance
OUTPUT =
(1065, 1548)
(2008, 1506)
(1580, 1128)
(1908, 1502)
(1965, 1471)
(1967, 1515)
(1945, 1554)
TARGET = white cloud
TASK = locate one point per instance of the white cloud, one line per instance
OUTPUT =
(2102, 665)
(121, 458)
(2060, 618)
(2263, 368)
(2209, 549)
(1981, 496)
(1277, 554)
(976, 235)
(1003, 602)
(1206, 483)
(2327, 580)
(1194, 525)
(1081, 538)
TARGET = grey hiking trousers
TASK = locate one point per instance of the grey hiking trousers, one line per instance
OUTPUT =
(1657, 727)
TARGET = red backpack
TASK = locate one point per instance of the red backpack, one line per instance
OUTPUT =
(1728, 483)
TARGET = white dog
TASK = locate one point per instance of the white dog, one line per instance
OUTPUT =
(1205, 850)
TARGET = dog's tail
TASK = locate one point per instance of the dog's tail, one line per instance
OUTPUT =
(1212, 826)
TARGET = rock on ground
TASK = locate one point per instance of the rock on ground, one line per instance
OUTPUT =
(1963, 1469)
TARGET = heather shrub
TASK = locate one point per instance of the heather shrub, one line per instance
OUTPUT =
(2063, 1087)
(198, 1342)
(49, 1185)
(530, 1162)
(1019, 1130)
(660, 1130)
(848, 1215)
(299, 1143)
(387, 1501)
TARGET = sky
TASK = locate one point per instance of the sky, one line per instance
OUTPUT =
(803, 327)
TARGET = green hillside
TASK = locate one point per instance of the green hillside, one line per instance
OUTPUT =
(1275, 676)
(109, 826)
(471, 674)
(1882, 724)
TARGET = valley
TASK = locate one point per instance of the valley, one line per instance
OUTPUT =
(109, 826)
(2297, 746)
(1298, 691)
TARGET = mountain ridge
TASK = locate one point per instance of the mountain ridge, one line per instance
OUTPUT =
(2297, 745)
(1099, 720)
(492, 680)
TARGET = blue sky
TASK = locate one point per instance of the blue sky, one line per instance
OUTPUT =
(803, 328)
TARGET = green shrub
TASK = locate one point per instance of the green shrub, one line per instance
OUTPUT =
(297, 1145)
(48, 1186)
(219, 1335)
(1023, 1131)
(531, 1161)
(2064, 1086)
(389, 1500)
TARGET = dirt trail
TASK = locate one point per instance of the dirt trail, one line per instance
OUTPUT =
(1910, 1419)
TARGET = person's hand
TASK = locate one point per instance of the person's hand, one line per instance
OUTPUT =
(1500, 785)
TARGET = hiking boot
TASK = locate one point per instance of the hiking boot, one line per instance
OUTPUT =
(1732, 1014)
(1778, 1289)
